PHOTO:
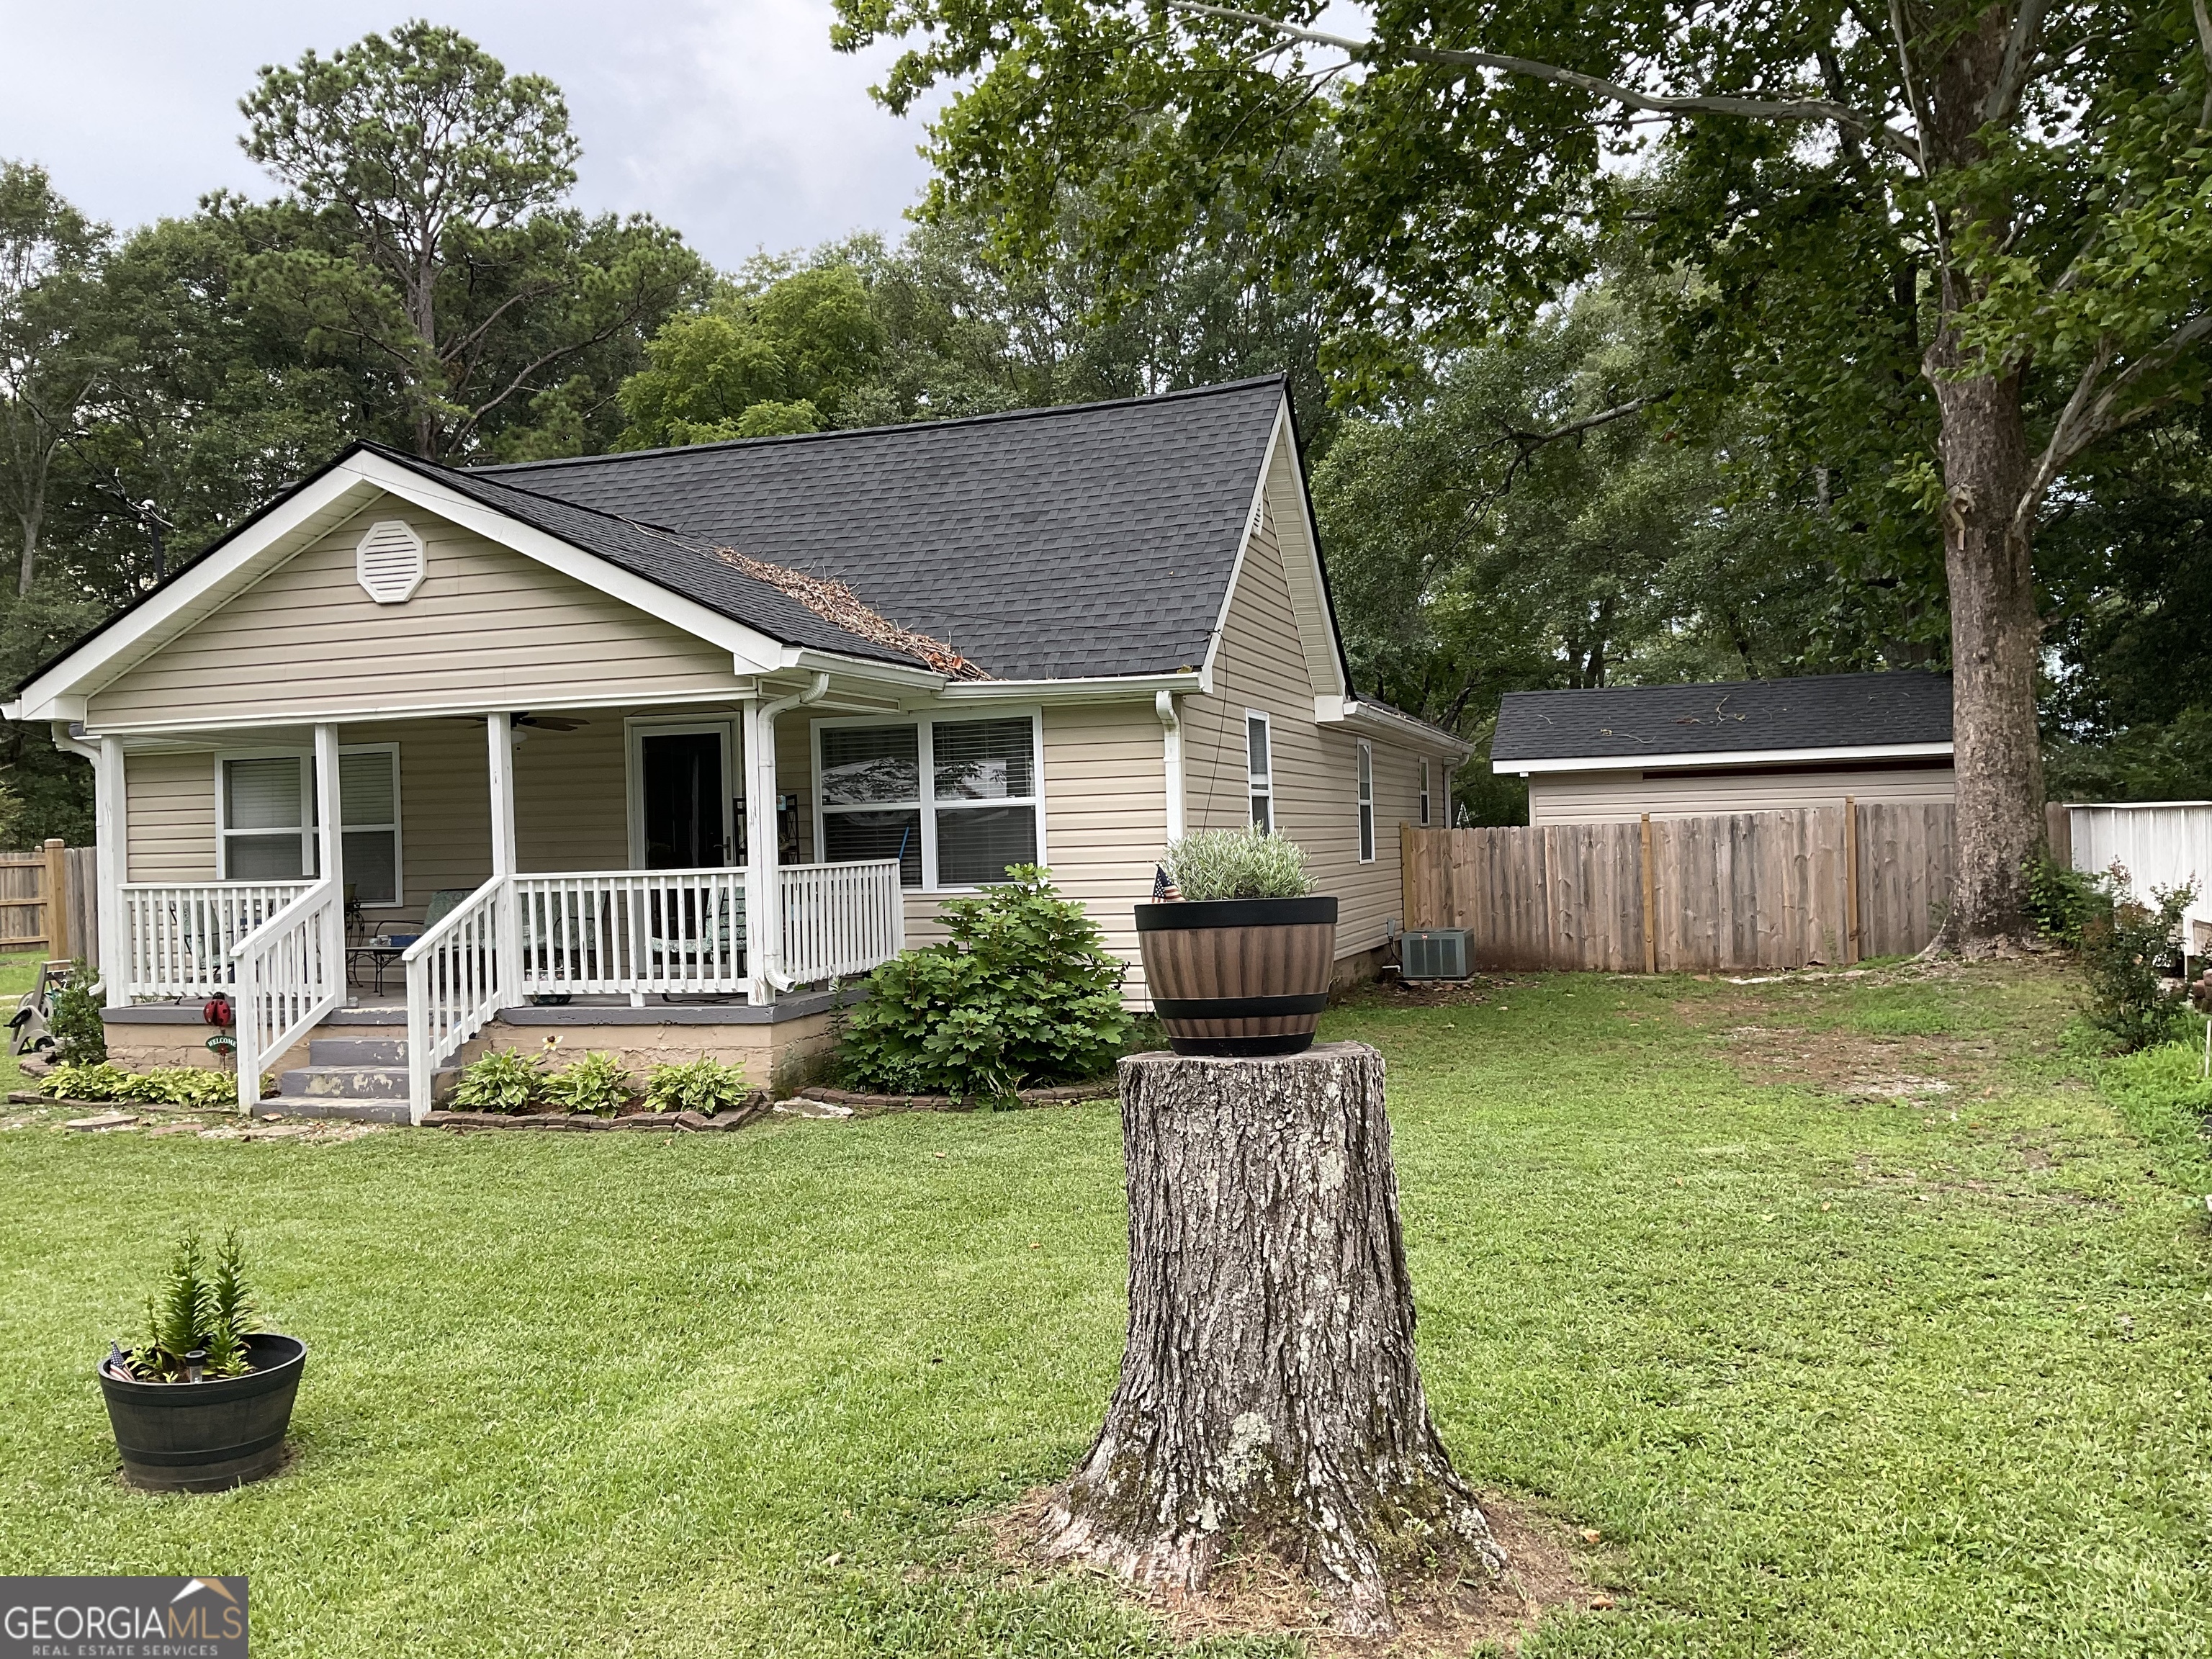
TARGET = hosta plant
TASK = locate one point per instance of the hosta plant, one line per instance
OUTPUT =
(599, 1084)
(705, 1085)
(499, 1080)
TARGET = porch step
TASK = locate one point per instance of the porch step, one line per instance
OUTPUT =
(360, 1051)
(352, 1082)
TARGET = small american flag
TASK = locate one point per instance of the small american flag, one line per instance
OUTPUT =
(1163, 887)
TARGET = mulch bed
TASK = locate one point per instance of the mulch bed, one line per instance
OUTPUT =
(875, 1105)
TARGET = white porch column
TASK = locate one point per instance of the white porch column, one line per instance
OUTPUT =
(500, 736)
(112, 866)
(758, 732)
(330, 848)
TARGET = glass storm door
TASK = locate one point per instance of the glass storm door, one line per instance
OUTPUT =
(684, 798)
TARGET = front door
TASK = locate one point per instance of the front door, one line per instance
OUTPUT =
(686, 813)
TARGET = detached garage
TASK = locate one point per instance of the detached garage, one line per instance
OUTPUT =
(1618, 752)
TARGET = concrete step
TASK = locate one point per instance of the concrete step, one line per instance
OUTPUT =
(359, 1111)
(357, 1051)
(351, 1082)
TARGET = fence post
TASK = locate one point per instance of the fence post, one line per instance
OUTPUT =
(1650, 903)
(57, 908)
(1850, 881)
(1407, 880)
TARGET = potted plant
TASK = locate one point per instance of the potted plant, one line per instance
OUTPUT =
(1239, 962)
(201, 1403)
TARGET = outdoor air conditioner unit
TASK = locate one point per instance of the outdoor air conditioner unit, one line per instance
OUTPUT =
(1435, 953)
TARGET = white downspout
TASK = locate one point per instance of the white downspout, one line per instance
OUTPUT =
(764, 910)
(1163, 704)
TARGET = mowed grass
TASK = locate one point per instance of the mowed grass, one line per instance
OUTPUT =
(1831, 1374)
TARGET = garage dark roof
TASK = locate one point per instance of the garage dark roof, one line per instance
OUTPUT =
(1048, 544)
(1818, 711)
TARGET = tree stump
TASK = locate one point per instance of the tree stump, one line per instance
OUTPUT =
(1268, 1394)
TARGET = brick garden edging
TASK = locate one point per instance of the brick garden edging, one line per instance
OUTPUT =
(875, 1105)
(690, 1122)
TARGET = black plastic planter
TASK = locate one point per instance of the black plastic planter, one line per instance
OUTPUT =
(205, 1437)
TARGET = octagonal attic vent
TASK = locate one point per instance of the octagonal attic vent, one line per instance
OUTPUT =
(389, 562)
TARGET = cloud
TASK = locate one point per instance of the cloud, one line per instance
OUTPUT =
(731, 119)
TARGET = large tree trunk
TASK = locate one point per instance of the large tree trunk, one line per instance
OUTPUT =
(1268, 1397)
(1996, 630)
(1996, 634)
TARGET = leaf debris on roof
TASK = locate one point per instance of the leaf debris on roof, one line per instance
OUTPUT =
(834, 602)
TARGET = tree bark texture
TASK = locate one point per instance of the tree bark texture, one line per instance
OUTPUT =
(1996, 630)
(1268, 1395)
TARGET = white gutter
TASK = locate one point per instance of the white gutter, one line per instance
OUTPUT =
(64, 739)
(769, 904)
(1098, 689)
(1388, 722)
(1722, 758)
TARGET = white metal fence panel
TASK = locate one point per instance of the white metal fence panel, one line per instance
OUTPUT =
(2164, 844)
(179, 936)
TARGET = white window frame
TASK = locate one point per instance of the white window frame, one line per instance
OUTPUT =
(1260, 786)
(1364, 762)
(635, 730)
(1424, 792)
(928, 804)
(310, 845)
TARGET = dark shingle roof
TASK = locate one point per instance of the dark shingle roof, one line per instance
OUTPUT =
(1095, 539)
(1818, 711)
(668, 561)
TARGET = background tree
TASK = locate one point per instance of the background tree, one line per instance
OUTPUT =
(425, 234)
(2011, 194)
(49, 358)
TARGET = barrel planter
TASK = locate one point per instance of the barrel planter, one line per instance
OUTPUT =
(1238, 976)
(205, 1437)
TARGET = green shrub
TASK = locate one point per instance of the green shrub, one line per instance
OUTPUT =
(1237, 863)
(1022, 992)
(80, 1034)
(205, 1306)
(2061, 900)
(598, 1084)
(2123, 949)
(499, 1080)
(705, 1085)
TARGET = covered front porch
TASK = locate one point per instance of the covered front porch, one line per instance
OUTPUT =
(588, 868)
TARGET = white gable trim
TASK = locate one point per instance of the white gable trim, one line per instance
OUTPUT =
(322, 506)
(1300, 550)
(1722, 758)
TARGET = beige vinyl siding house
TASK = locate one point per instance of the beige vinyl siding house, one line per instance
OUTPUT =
(1621, 752)
(661, 751)
(1606, 797)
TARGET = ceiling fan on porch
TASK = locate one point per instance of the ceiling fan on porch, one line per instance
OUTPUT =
(549, 722)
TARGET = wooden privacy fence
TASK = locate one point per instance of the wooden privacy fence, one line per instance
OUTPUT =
(47, 900)
(1820, 885)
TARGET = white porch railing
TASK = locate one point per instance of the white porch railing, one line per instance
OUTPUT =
(179, 936)
(453, 985)
(291, 972)
(840, 919)
(629, 933)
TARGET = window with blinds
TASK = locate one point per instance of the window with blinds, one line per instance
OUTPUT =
(954, 800)
(1366, 804)
(1258, 771)
(266, 824)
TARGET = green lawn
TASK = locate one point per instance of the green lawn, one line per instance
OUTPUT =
(1834, 1374)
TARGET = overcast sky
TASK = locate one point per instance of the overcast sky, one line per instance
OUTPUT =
(731, 119)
